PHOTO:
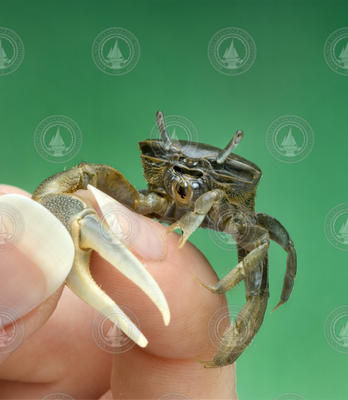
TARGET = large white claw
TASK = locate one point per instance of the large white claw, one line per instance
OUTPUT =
(116, 253)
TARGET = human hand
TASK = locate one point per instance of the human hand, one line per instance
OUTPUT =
(58, 354)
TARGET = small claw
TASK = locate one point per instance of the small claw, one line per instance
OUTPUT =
(188, 223)
(96, 235)
(172, 228)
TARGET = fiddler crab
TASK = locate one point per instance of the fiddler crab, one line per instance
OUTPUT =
(190, 185)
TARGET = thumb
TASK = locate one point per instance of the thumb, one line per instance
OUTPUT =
(36, 254)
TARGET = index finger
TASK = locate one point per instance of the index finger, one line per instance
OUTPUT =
(169, 364)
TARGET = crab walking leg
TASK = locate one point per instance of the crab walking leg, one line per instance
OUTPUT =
(249, 319)
(257, 241)
(280, 235)
(190, 221)
(240, 271)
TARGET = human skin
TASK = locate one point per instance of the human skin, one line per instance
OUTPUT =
(59, 355)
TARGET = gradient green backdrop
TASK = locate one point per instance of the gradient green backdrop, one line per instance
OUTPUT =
(290, 76)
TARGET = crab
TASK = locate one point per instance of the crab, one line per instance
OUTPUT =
(190, 185)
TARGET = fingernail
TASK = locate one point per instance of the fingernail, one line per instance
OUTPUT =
(36, 253)
(138, 233)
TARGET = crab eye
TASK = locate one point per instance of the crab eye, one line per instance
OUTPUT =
(182, 192)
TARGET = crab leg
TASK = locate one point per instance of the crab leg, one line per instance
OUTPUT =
(89, 232)
(252, 267)
(256, 241)
(249, 319)
(280, 235)
(244, 268)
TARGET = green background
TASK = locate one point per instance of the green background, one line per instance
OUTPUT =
(290, 76)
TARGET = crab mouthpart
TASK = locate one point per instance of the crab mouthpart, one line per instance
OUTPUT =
(188, 171)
